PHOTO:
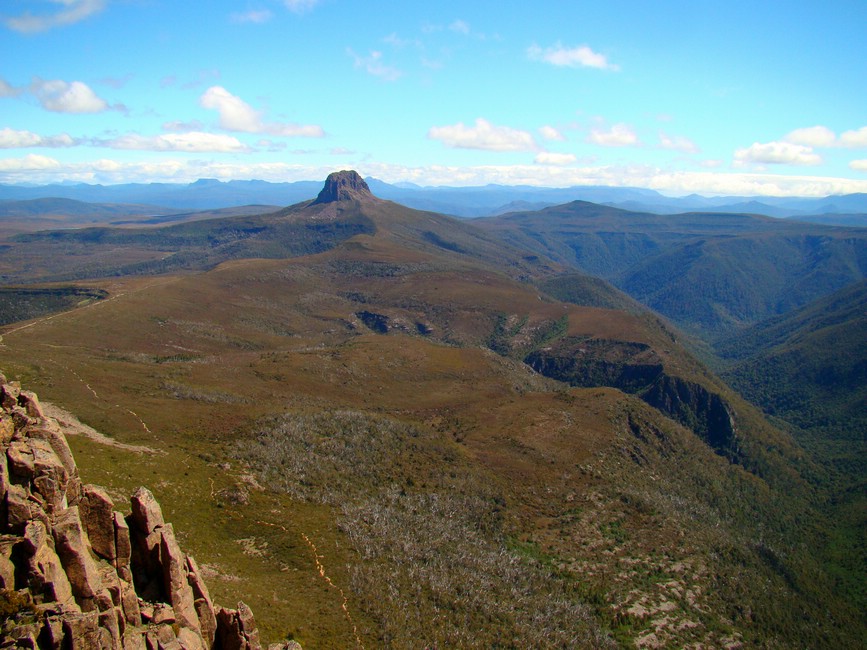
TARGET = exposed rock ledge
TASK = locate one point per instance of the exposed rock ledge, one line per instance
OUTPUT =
(75, 573)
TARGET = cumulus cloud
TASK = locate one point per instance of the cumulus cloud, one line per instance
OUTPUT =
(858, 165)
(777, 153)
(191, 142)
(551, 158)
(822, 136)
(483, 135)
(29, 163)
(854, 139)
(619, 135)
(812, 136)
(374, 65)
(238, 115)
(67, 96)
(72, 11)
(677, 143)
(570, 57)
(12, 139)
(550, 133)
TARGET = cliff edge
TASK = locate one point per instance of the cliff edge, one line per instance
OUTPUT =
(77, 574)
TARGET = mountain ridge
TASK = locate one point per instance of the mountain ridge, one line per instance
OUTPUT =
(458, 201)
(314, 396)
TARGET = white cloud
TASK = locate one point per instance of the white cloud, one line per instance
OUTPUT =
(677, 143)
(238, 115)
(822, 136)
(67, 96)
(254, 16)
(619, 135)
(12, 139)
(41, 169)
(8, 91)
(72, 12)
(572, 57)
(858, 165)
(191, 142)
(374, 65)
(29, 163)
(483, 135)
(854, 139)
(460, 27)
(812, 136)
(300, 6)
(235, 113)
(550, 133)
(777, 153)
(551, 158)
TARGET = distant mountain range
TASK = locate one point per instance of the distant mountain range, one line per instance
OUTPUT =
(487, 200)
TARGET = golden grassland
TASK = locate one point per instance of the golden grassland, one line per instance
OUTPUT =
(243, 378)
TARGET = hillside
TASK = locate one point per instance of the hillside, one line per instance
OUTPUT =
(308, 227)
(357, 442)
(46, 213)
(710, 273)
(809, 369)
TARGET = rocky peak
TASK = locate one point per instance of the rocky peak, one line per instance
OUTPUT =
(346, 185)
(76, 573)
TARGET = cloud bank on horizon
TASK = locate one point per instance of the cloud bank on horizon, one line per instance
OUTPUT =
(675, 97)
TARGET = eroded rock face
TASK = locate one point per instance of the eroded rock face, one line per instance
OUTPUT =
(84, 575)
(343, 186)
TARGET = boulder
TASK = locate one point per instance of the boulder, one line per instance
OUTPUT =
(236, 629)
(81, 631)
(72, 546)
(175, 583)
(30, 402)
(97, 515)
(203, 604)
(147, 515)
(46, 576)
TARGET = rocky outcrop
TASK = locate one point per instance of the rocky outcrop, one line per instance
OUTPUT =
(343, 186)
(635, 368)
(75, 572)
(598, 362)
(706, 413)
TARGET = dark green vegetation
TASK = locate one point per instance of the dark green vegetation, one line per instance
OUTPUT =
(808, 369)
(357, 445)
(97, 252)
(710, 273)
(25, 303)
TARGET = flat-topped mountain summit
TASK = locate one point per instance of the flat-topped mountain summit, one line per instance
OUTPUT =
(346, 185)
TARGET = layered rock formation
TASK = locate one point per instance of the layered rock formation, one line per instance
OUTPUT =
(75, 572)
(343, 186)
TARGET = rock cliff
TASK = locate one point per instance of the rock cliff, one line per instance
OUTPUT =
(76, 573)
(343, 186)
(635, 368)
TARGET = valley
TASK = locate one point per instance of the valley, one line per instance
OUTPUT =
(384, 427)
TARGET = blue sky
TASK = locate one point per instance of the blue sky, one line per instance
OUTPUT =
(723, 97)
